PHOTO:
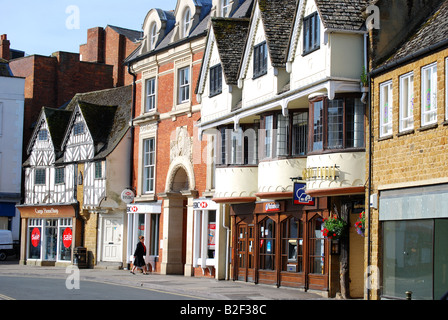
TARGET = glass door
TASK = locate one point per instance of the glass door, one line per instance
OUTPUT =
(51, 239)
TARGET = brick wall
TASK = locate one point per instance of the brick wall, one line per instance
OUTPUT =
(418, 157)
(53, 81)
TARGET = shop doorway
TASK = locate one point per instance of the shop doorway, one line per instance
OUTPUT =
(284, 250)
(245, 253)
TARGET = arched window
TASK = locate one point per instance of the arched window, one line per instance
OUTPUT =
(317, 246)
(267, 244)
(153, 36)
(187, 22)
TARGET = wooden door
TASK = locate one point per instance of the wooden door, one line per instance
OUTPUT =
(245, 253)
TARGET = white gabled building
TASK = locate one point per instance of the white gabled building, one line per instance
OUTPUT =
(78, 165)
(292, 117)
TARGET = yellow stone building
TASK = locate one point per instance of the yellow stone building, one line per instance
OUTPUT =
(408, 170)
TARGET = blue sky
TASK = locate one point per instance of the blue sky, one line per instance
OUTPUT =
(46, 26)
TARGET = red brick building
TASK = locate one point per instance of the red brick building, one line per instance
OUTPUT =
(52, 81)
(170, 167)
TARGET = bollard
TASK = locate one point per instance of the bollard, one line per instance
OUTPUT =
(408, 295)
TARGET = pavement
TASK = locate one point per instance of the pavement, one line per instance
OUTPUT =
(195, 287)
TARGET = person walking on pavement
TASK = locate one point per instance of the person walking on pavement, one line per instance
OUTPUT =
(139, 260)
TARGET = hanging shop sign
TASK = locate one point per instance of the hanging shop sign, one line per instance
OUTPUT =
(300, 197)
(323, 173)
(127, 196)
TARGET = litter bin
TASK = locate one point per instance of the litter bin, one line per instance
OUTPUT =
(80, 257)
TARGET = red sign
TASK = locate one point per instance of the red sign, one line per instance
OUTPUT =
(35, 237)
(67, 237)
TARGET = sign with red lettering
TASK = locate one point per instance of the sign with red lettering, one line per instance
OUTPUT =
(35, 237)
(67, 237)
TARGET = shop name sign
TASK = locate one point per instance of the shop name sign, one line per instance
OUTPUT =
(204, 204)
(46, 211)
(325, 173)
(271, 207)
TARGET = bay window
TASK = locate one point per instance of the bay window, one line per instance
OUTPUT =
(337, 124)
(285, 136)
(238, 147)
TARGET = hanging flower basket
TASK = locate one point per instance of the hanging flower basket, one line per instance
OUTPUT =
(334, 228)
(360, 225)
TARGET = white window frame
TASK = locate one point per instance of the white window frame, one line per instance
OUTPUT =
(225, 8)
(147, 166)
(153, 36)
(186, 23)
(150, 92)
(429, 114)
(446, 89)
(386, 126)
(406, 102)
(183, 83)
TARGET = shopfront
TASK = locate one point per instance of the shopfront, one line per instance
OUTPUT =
(205, 236)
(281, 243)
(144, 220)
(415, 237)
(49, 234)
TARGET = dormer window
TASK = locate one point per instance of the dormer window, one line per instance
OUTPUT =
(153, 36)
(186, 22)
(260, 59)
(311, 33)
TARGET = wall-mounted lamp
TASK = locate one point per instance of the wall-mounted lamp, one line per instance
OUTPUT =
(335, 247)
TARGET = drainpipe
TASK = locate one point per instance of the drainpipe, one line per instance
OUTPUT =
(223, 206)
(131, 125)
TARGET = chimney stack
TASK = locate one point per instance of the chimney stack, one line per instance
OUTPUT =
(5, 53)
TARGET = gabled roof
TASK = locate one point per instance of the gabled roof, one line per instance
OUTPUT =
(5, 71)
(132, 35)
(199, 30)
(57, 120)
(277, 17)
(107, 114)
(433, 32)
(230, 35)
(342, 14)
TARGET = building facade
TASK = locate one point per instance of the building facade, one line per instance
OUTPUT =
(284, 113)
(11, 127)
(78, 165)
(169, 167)
(407, 166)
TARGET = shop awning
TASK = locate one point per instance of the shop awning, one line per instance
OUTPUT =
(7, 209)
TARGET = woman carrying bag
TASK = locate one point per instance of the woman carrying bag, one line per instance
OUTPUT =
(139, 254)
